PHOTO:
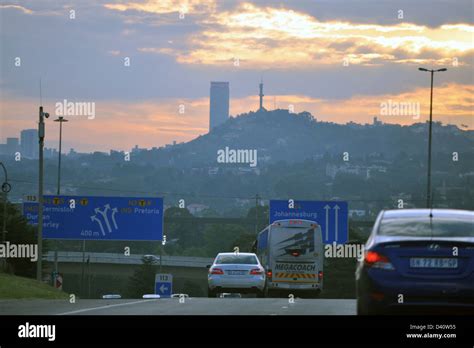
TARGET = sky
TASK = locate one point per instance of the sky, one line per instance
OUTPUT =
(147, 65)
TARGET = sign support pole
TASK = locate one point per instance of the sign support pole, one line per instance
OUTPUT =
(83, 265)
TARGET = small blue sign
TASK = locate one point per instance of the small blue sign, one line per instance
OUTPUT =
(332, 216)
(164, 284)
(99, 218)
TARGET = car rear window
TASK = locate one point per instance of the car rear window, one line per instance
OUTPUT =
(237, 259)
(426, 227)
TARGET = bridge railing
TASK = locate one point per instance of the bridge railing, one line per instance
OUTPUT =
(133, 259)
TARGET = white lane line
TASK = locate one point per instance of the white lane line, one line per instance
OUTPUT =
(104, 307)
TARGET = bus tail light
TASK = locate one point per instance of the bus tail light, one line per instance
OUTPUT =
(320, 275)
(269, 274)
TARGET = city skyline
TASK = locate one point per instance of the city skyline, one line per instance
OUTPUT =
(331, 60)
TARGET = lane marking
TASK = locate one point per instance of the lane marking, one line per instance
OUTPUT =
(104, 307)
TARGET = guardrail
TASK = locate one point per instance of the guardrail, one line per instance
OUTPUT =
(133, 259)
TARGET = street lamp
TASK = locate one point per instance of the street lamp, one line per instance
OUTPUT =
(428, 188)
(41, 134)
(60, 119)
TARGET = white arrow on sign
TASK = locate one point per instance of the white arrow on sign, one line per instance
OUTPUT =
(327, 207)
(336, 209)
(114, 211)
(104, 215)
(93, 218)
(163, 288)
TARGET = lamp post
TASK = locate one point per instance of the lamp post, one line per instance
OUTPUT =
(41, 133)
(428, 185)
(60, 119)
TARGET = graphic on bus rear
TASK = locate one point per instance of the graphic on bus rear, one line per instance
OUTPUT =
(301, 243)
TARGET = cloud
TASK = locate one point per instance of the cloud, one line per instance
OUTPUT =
(269, 37)
(164, 6)
(17, 7)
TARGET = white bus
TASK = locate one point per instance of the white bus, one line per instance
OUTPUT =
(292, 253)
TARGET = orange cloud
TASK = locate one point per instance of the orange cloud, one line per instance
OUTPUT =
(282, 38)
(164, 6)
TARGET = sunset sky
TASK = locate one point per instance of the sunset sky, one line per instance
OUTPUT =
(338, 59)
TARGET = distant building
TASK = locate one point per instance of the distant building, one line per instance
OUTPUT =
(377, 122)
(219, 104)
(137, 149)
(357, 213)
(213, 171)
(50, 152)
(29, 143)
(197, 208)
(13, 145)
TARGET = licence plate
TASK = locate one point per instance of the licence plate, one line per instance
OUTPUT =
(422, 262)
(236, 272)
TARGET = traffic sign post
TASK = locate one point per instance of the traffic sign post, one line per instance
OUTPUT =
(99, 218)
(164, 284)
(332, 216)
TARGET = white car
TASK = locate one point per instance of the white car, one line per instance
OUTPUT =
(236, 273)
(180, 296)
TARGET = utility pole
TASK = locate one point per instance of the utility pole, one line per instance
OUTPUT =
(41, 134)
(428, 184)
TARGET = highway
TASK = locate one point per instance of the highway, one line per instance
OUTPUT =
(191, 306)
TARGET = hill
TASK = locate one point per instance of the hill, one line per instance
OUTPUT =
(279, 135)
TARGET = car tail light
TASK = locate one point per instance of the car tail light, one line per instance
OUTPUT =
(216, 271)
(269, 274)
(320, 275)
(295, 253)
(256, 271)
(376, 260)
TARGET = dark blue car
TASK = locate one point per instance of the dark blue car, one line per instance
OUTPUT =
(418, 260)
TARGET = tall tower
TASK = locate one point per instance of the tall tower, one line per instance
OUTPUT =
(29, 143)
(219, 104)
(261, 95)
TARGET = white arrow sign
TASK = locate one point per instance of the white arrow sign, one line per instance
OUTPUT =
(114, 211)
(163, 288)
(104, 215)
(336, 210)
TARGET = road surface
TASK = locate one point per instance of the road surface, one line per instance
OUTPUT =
(196, 306)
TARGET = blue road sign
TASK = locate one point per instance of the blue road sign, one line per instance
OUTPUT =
(99, 218)
(332, 216)
(164, 284)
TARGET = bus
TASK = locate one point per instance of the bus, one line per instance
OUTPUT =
(292, 253)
